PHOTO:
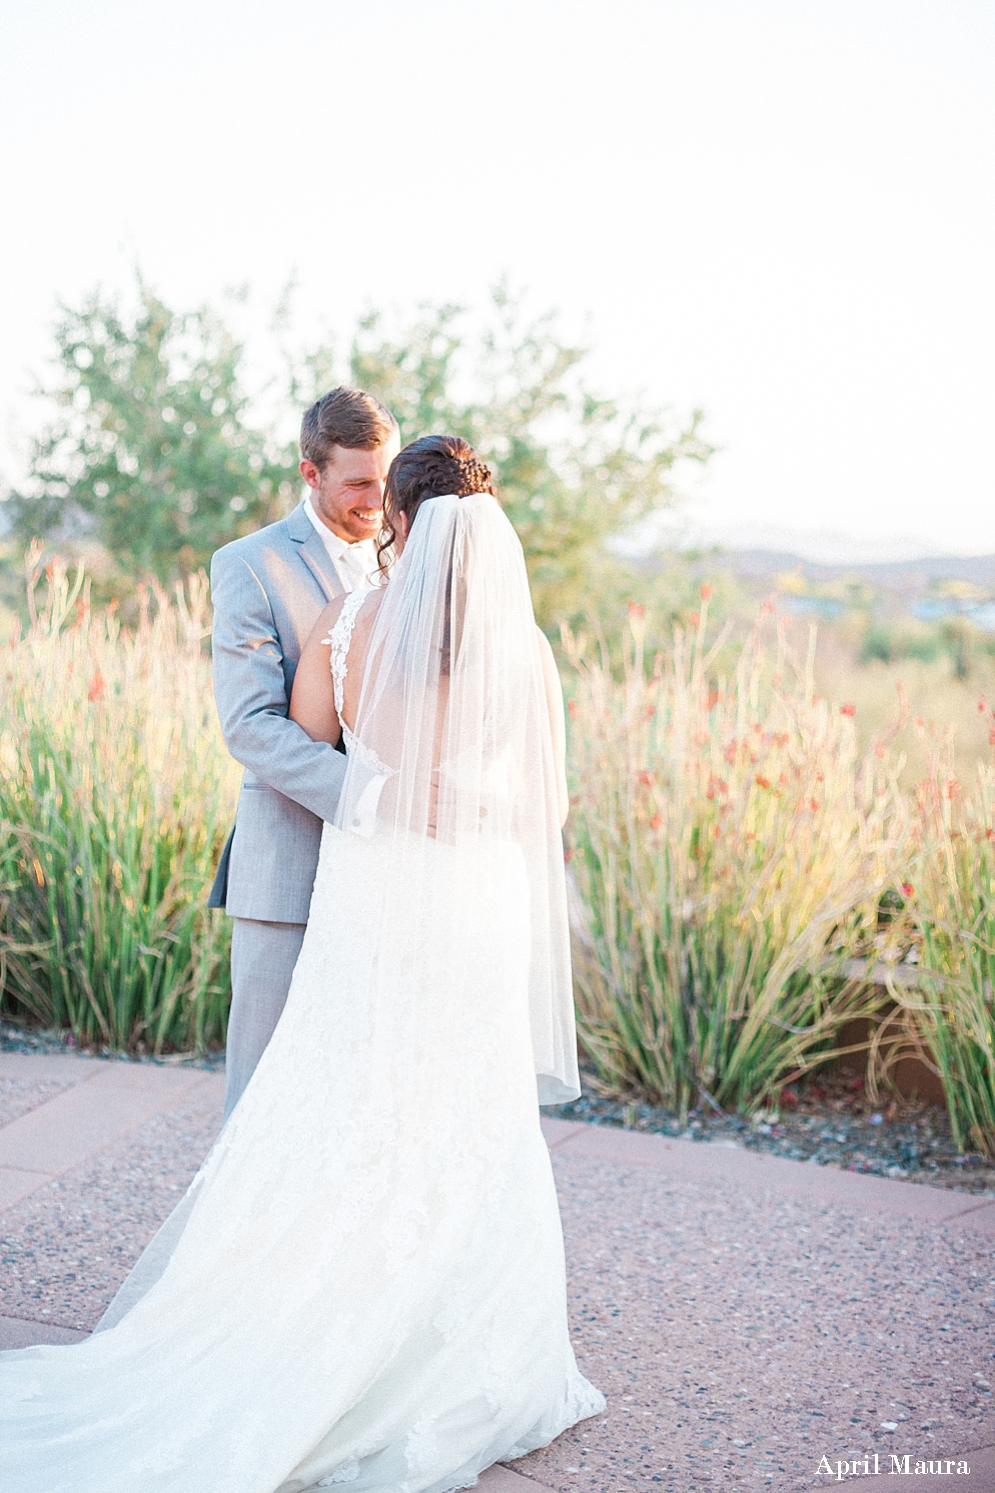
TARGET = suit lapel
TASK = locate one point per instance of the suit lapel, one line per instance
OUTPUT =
(313, 553)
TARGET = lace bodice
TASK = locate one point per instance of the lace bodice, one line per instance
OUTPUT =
(363, 821)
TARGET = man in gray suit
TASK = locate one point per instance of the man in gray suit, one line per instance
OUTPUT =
(268, 589)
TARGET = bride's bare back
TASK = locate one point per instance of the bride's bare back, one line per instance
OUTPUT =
(312, 703)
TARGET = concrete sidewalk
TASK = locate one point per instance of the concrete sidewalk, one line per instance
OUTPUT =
(746, 1316)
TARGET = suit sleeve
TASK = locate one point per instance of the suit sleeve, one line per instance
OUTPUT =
(251, 694)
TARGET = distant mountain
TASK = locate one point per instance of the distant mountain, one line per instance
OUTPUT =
(818, 546)
(907, 577)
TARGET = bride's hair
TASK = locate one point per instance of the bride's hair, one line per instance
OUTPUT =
(429, 467)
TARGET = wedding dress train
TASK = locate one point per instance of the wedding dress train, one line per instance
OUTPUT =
(369, 1289)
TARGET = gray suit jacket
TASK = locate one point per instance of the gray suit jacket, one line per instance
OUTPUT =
(268, 590)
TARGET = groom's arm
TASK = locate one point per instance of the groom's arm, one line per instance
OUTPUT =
(251, 694)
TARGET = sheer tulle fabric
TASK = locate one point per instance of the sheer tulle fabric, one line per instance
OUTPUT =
(365, 1284)
(452, 743)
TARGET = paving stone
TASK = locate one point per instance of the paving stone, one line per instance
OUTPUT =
(16, 1333)
(745, 1315)
(66, 1248)
(742, 1333)
(111, 1100)
(21, 1094)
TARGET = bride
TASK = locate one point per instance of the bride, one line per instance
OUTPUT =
(368, 1288)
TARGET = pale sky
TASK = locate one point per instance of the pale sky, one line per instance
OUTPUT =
(783, 212)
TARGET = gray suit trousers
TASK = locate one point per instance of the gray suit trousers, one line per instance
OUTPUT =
(263, 956)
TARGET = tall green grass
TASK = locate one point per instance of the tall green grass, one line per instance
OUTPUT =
(730, 845)
(948, 1018)
(115, 795)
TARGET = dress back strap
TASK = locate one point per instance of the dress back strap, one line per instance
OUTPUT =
(338, 640)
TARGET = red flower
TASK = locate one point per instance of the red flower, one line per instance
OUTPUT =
(707, 592)
(907, 889)
(656, 821)
(761, 781)
(96, 690)
(848, 709)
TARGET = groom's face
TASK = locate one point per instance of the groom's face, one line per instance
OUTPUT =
(347, 492)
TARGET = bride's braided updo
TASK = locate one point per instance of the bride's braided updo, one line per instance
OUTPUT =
(433, 465)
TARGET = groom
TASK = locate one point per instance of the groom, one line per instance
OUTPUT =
(268, 589)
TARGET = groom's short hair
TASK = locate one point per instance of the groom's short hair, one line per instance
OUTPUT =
(344, 417)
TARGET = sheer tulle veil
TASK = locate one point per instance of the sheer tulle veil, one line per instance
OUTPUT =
(452, 756)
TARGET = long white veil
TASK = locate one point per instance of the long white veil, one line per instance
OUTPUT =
(452, 747)
(451, 783)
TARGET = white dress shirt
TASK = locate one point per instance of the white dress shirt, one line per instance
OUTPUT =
(355, 564)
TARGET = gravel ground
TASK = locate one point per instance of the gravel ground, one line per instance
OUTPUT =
(17, 1038)
(829, 1121)
(740, 1335)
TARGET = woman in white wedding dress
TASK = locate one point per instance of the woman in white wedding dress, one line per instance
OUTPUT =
(369, 1285)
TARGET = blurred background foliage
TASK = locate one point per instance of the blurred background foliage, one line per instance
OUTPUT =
(153, 460)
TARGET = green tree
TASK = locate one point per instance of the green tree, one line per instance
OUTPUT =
(573, 470)
(150, 455)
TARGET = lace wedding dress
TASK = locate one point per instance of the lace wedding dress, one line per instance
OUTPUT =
(369, 1287)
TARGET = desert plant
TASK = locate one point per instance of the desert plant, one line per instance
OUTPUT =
(947, 1018)
(729, 845)
(115, 794)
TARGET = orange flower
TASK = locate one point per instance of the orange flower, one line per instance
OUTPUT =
(761, 781)
(96, 690)
(848, 709)
(707, 592)
(656, 821)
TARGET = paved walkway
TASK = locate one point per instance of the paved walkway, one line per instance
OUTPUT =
(746, 1316)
